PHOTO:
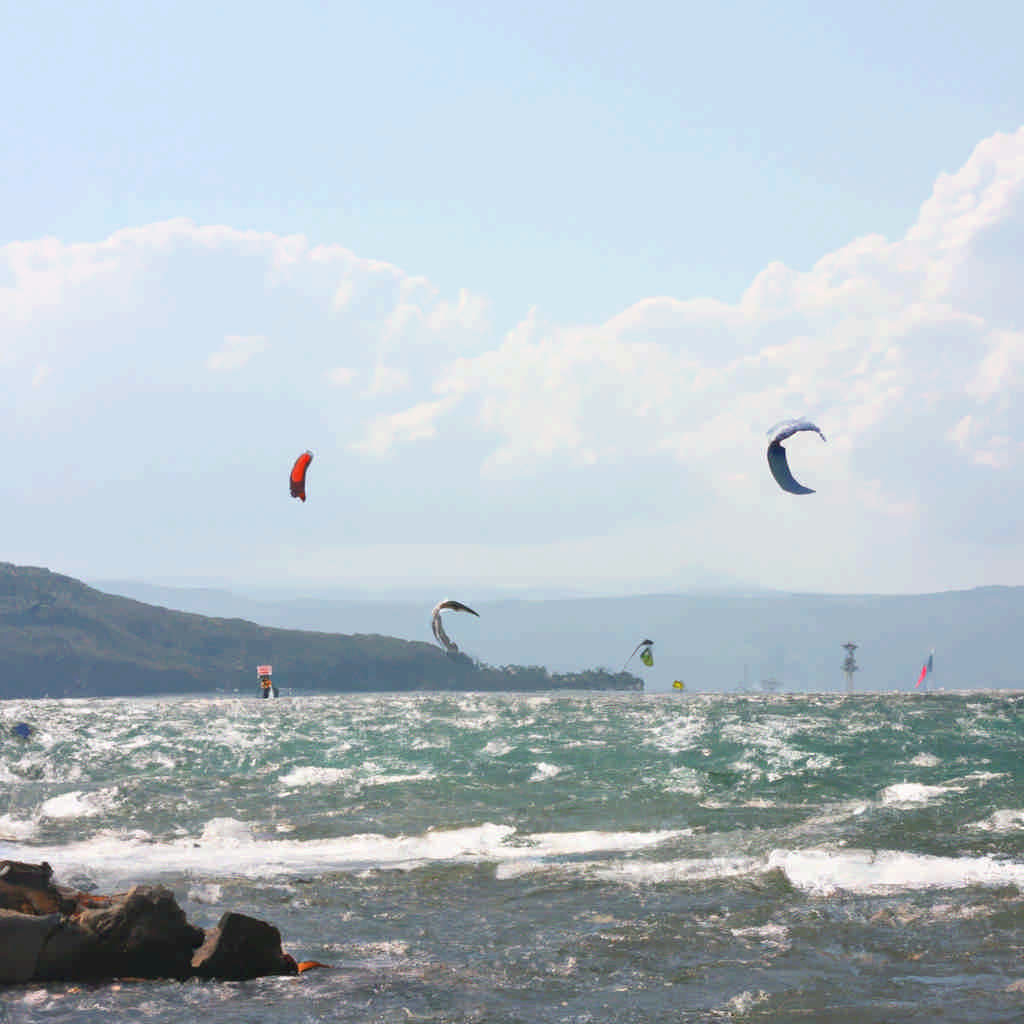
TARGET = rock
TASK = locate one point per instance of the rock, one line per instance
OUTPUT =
(142, 935)
(240, 948)
(29, 889)
(56, 933)
(70, 954)
(22, 940)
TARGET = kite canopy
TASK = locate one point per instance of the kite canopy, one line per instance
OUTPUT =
(777, 461)
(926, 669)
(438, 629)
(297, 479)
(645, 647)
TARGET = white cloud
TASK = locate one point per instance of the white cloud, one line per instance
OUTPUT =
(387, 380)
(236, 351)
(468, 313)
(908, 352)
(415, 424)
(867, 331)
(341, 376)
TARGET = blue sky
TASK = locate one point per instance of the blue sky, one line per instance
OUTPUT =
(491, 203)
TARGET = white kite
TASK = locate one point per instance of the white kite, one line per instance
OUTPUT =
(435, 623)
(777, 454)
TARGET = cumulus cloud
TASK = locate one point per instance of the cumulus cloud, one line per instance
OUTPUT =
(341, 376)
(908, 352)
(386, 380)
(236, 351)
(853, 340)
(415, 424)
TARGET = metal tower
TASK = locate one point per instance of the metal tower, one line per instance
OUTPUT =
(849, 665)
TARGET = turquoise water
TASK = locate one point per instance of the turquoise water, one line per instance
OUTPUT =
(605, 857)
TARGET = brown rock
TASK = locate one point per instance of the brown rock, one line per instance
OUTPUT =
(55, 933)
(29, 889)
(142, 935)
(22, 940)
(70, 953)
(240, 948)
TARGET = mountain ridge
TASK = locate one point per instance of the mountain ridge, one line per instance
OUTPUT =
(712, 640)
(61, 637)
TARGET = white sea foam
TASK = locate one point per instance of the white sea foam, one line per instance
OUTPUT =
(561, 844)
(369, 774)
(13, 828)
(229, 847)
(314, 776)
(820, 872)
(825, 871)
(772, 935)
(925, 761)
(209, 893)
(913, 793)
(682, 779)
(77, 804)
(385, 779)
(544, 771)
(999, 821)
(639, 872)
(745, 1002)
(497, 748)
(230, 831)
(678, 734)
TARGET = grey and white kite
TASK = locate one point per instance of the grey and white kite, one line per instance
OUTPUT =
(777, 454)
(438, 629)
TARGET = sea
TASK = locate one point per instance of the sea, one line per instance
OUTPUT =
(546, 858)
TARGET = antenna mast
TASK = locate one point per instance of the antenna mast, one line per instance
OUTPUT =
(849, 665)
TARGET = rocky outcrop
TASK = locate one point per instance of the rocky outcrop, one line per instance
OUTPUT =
(22, 941)
(240, 948)
(49, 933)
(29, 889)
(141, 935)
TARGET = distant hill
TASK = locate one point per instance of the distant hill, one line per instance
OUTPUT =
(60, 637)
(712, 640)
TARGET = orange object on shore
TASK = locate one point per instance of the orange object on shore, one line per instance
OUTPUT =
(308, 965)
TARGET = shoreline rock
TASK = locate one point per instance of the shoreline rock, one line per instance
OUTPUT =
(52, 933)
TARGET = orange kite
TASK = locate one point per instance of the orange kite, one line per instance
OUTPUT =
(297, 481)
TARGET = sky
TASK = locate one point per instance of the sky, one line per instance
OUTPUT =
(531, 281)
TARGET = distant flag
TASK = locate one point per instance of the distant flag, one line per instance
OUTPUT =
(926, 669)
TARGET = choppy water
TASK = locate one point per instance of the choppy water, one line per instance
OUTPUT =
(554, 858)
